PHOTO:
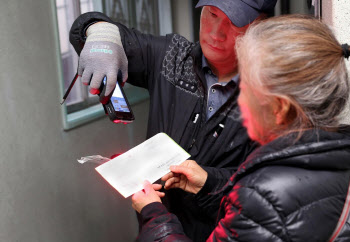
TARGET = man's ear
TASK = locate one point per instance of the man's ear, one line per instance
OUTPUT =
(281, 110)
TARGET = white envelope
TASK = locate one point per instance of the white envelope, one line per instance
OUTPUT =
(149, 160)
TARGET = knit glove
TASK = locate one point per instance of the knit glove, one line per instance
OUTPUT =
(103, 55)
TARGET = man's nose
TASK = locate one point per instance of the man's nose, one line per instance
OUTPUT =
(219, 31)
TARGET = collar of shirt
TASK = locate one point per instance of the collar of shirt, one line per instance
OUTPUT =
(211, 78)
(217, 93)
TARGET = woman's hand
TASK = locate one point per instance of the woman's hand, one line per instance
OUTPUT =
(188, 176)
(146, 196)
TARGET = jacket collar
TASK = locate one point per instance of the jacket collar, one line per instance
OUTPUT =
(316, 149)
(196, 54)
(313, 144)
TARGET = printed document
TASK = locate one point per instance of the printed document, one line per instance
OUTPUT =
(149, 160)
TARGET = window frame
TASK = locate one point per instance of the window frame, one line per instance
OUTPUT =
(134, 94)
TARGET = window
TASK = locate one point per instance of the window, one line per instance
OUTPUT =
(311, 7)
(140, 14)
(144, 15)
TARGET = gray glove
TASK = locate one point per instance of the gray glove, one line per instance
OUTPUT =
(103, 55)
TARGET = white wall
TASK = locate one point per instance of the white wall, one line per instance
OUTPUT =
(45, 194)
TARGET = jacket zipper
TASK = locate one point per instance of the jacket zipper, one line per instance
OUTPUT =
(198, 119)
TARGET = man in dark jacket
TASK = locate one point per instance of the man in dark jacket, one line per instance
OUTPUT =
(193, 88)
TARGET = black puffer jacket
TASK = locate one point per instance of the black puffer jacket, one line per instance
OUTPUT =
(170, 67)
(283, 192)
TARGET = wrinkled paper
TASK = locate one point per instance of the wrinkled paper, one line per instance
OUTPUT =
(96, 159)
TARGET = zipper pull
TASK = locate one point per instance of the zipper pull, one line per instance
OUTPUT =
(194, 140)
(195, 118)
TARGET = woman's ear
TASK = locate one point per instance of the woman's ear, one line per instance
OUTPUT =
(281, 110)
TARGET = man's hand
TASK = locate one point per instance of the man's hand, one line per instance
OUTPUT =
(188, 176)
(103, 55)
(148, 195)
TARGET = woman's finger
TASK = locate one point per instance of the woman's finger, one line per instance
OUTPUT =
(160, 194)
(157, 187)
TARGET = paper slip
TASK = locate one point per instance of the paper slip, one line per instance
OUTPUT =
(149, 160)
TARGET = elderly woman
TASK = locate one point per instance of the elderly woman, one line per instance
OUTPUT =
(294, 88)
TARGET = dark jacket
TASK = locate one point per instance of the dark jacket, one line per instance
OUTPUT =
(170, 67)
(283, 192)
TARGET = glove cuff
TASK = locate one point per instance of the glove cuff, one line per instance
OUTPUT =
(104, 31)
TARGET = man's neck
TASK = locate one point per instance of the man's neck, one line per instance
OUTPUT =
(224, 72)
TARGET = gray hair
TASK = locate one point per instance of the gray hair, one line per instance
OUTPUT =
(297, 58)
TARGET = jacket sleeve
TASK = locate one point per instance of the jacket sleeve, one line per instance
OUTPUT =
(248, 215)
(245, 216)
(211, 194)
(209, 197)
(160, 225)
(145, 52)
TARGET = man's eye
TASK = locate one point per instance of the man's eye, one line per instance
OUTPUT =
(212, 14)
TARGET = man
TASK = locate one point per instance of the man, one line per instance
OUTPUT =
(193, 89)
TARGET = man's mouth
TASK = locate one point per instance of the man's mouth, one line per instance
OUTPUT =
(215, 47)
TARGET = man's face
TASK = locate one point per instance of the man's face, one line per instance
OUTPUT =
(218, 35)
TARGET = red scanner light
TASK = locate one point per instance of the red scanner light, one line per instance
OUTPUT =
(119, 121)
